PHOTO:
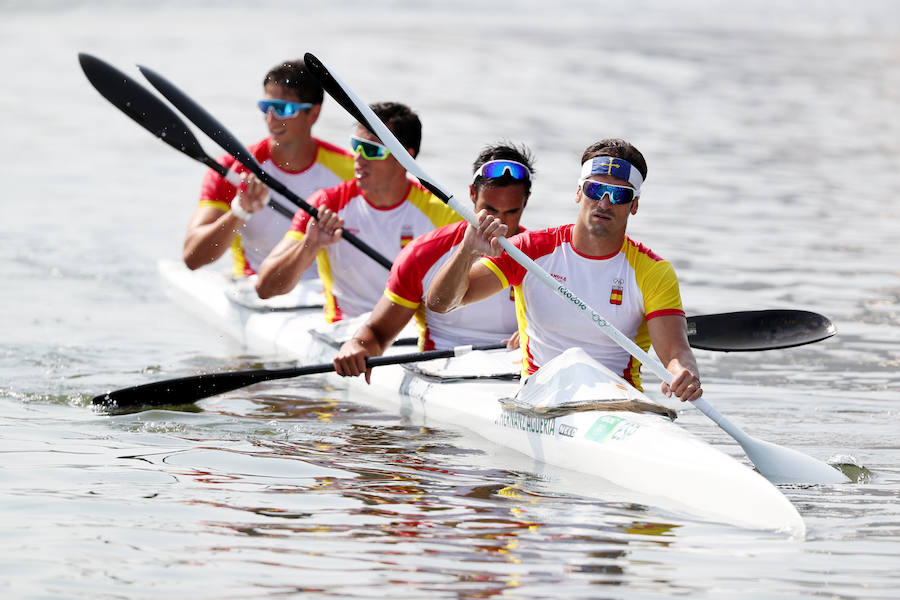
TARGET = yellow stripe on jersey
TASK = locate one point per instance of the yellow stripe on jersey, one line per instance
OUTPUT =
(437, 212)
(400, 300)
(655, 277)
(327, 278)
(340, 164)
(496, 271)
(522, 320)
(642, 339)
(223, 206)
(421, 326)
(239, 264)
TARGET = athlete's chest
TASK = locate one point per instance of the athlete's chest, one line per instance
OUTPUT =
(604, 284)
(403, 222)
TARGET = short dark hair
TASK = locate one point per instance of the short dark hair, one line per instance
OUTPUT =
(619, 149)
(504, 151)
(403, 123)
(294, 76)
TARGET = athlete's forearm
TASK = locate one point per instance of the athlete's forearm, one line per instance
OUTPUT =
(206, 243)
(283, 268)
(450, 284)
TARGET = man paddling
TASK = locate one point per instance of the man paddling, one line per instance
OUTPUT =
(241, 219)
(637, 289)
(501, 186)
(382, 205)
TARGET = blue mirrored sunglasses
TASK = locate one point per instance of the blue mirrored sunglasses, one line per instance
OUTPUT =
(282, 108)
(618, 194)
(495, 169)
(368, 149)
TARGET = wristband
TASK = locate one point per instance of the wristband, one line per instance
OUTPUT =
(239, 212)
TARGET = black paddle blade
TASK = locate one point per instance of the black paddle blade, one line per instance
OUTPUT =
(757, 330)
(185, 390)
(208, 124)
(318, 70)
(344, 96)
(142, 106)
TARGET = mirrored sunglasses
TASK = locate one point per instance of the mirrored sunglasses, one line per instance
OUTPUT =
(618, 194)
(282, 108)
(495, 169)
(368, 149)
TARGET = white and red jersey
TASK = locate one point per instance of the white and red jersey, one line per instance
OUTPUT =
(485, 322)
(353, 282)
(627, 288)
(259, 235)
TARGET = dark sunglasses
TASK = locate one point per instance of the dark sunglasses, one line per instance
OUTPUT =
(368, 149)
(618, 194)
(282, 108)
(497, 168)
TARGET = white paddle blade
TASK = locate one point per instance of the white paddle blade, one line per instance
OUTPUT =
(785, 465)
(776, 463)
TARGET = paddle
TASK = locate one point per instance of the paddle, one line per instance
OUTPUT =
(154, 115)
(184, 390)
(779, 465)
(755, 330)
(215, 130)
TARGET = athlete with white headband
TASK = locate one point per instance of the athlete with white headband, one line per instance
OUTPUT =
(633, 288)
(501, 185)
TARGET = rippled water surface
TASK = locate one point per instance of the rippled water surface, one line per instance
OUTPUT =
(771, 131)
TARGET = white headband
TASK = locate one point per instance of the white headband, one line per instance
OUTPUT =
(617, 167)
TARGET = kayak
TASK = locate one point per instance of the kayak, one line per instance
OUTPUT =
(574, 413)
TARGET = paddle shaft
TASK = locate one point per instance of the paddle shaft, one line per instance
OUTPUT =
(184, 390)
(353, 104)
(215, 130)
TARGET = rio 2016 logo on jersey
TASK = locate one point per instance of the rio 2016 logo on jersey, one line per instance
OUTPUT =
(406, 235)
(615, 294)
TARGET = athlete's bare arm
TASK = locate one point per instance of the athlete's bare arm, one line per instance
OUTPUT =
(668, 335)
(211, 230)
(462, 280)
(286, 263)
(386, 321)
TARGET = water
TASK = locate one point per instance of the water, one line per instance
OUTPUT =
(771, 132)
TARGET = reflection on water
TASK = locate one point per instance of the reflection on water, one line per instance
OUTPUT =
(418, 509)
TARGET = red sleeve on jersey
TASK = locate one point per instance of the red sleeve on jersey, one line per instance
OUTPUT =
(334, 198)
(414, 261)
(214, 187)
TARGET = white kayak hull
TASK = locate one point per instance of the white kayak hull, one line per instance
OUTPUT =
(648, 454)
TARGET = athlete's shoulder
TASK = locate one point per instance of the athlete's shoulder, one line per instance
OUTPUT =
(336, 159)
(640, 251)
(430, 205)
(437, 241)
(337, 196)
(261, 150)
(540, 242)
(330, 148)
